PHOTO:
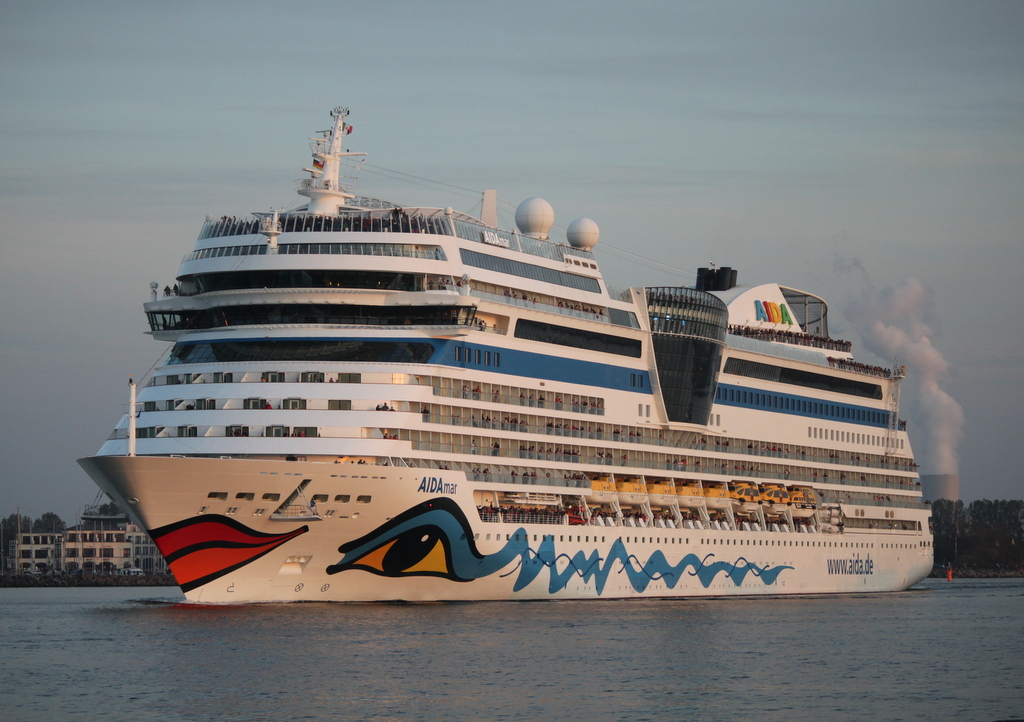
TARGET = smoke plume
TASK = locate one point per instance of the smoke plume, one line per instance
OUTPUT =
(895, 324)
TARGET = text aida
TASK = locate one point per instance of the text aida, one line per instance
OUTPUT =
(435, 485)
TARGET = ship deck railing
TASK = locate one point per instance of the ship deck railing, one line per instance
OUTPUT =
(295, 512)
(541, 306)
(707, 473)
(516, 401)
(397, 250)
(597, 435)
(794, 339)
(376, 221)
(563, 518)
(490, 514)
(859, 368)
(528, 428)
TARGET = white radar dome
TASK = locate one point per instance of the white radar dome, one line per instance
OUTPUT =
(535, 216)
(583, 233)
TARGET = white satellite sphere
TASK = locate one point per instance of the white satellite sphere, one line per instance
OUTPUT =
(535, 216)
(583, 233)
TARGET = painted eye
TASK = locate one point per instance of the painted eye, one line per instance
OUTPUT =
(429, 540)
(417, 551)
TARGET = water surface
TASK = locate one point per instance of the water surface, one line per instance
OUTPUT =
(944, 650)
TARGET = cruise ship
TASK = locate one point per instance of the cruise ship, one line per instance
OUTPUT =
(366, 401)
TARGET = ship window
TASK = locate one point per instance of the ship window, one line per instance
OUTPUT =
(203, 404)
(577, 338)
(309, 350)
(293, 404)
(149, 406)
(186, 431)
(342, 498)
(308, 431)
(271, 497)
(350, 378)
(339, 405)
(311, 377)
(219, 495)
(236, 431)
(239, 280)
(319, 497)
(363, 499)
(254, 403)
(497, 359)
(247, 496)
(272, 376)
(527, 270)
(277, 431)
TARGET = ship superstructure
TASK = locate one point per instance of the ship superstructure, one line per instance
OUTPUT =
(371, 401)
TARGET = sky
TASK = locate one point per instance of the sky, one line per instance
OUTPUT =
(868, 152)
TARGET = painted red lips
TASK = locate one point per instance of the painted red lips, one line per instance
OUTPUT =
(203, 548)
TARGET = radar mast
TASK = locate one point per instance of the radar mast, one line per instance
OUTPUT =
(324, 188)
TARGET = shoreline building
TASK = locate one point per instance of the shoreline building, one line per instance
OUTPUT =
(98, 544)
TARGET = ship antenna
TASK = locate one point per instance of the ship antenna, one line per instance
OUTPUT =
(323, 188)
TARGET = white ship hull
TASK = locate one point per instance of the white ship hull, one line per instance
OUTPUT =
(300, 560)
(366, 401)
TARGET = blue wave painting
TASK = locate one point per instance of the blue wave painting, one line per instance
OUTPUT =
(435, 539)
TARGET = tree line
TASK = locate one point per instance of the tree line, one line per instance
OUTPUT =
(983, 534)
(48, 523)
